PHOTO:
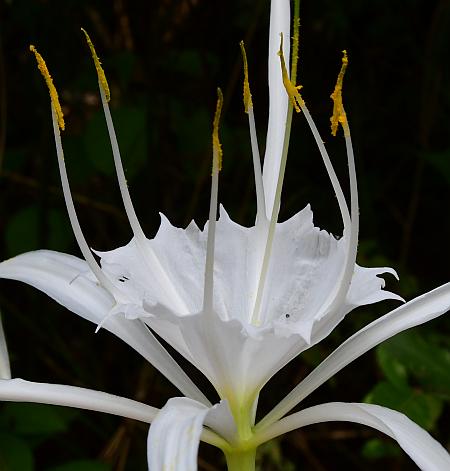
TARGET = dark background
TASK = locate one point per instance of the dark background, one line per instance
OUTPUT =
(164, 60)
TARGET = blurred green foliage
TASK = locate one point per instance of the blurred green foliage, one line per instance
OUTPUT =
(164, 60)
(26, 427)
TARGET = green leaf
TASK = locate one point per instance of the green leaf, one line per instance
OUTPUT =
(420, 407)
(15, 454)
(23, 232)
(36, 419)
(424, 359)
(394, 370)
(82, 465)
(377, 448)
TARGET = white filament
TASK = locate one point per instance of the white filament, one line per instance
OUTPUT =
(260, 198)
(256, 314)
(351, 224)
(330, 170)
(352, 246)
(128, 204)
(208, 289)
(141, 241)
(210, 244)
(82, 244)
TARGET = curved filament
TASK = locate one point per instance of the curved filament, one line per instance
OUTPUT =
(82, 244)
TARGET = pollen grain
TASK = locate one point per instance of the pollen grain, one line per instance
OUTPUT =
(42, 66)
(291, 89)
(339, 116)
(217, 146)
(248, 103)
(98, 65)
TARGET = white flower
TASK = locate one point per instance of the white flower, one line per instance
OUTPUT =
(238, 303)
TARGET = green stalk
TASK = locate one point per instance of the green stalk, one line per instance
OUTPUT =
(241, 460)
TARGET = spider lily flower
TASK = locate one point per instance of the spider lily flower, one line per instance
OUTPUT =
(238, 302)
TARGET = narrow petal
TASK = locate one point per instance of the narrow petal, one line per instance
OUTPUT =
(65, 278)
(175, 433)
(422, 448)
(62, 277)
(62, 395)
(417, 311)
(5, 370)
(280, 19)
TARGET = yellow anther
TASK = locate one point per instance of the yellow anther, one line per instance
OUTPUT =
(248, 103)
(217, 146)
(42, 66)
(291, 89)
(98, 65)
(339, 115)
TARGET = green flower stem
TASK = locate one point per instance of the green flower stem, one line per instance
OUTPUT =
(241, 453)
(241, 460)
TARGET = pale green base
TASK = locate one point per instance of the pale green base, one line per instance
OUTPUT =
(241, 460)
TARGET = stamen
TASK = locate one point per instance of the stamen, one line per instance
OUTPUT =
(351, 222)
(248, 105)
(82, 244)
(105, 96)
(330, 170)
(42, 66)
(148, 254)
(217, 146)
(216, 167)
(98, 66)
(247, 95)
(291, 89)
(353, 243)
(339, 115)
(298, 103)
(56, 118)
